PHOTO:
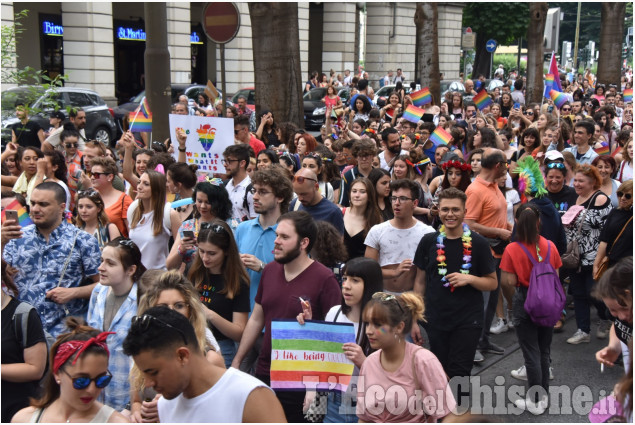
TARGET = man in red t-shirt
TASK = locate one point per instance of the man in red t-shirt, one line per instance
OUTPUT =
(288, 285)
(242, 134)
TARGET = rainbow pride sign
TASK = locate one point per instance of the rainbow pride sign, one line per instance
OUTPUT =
(310, 356)
(413, 114)
(440, 136)
(140, 123)
(421, 97)
(482, 100)
(628, 95)
(206, 134)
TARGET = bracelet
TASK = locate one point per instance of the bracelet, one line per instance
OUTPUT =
(181, 253)
(181, 149)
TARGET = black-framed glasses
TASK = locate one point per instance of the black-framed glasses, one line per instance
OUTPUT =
(386, 297)
(260, 192)
(71, 145)
(143, 323)
(628, 196)
(216, 228)
(82, 382)
(302, 179)
(557, 165)
(401, 199)
(228, 161)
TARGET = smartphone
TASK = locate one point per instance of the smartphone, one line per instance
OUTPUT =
(474, 114)
(188, 234)
(550, 108)
(516, 105)
(11, 215)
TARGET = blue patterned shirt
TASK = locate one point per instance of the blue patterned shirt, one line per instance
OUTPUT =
(40, 265)
(117, 394)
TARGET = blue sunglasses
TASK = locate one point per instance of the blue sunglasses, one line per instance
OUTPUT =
(83, 382)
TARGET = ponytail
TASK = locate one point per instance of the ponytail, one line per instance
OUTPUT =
(413, 304)
(528, 224)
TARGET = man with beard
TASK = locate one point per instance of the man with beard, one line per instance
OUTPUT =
(289, 285)
(77, 117)
(392, 142)
(52, 258)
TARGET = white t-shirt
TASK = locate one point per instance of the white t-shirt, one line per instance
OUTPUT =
(382, 159)
(223, 403)
(512, 198)
(154, 249)
(237, 198)
(341, 318)
(395, 245)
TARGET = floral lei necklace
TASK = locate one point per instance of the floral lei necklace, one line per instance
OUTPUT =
(467, 254)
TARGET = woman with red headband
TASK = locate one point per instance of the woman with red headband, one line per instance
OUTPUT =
(78, 373)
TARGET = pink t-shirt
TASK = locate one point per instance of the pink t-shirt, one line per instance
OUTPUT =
(390, 396)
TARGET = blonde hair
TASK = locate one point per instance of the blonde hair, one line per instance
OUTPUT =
(384, 308)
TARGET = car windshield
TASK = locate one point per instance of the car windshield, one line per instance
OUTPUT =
(385, 91)
(315, 94)
(28, 95)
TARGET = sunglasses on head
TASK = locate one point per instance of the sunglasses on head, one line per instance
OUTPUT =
(301, 179)
(143, 323)
(628, 196)
(83, 382)
(386, 297)
(216, 228)
(87, 192)
(558, 165)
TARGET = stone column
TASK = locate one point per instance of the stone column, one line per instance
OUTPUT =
(390, 40)
(8, 20)
(450, 18)
(338, 42)
(303, 29)
(88, 47)
(179, 30)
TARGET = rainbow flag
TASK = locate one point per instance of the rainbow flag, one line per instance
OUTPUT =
(310, 356)
(558, 98)
(604, 150)
(413, 114)
(141, 124)
(23, 216)
(145, 107)
(440, 137)
(628, 95)
(482, 100)
(549, 81)
(421, 97)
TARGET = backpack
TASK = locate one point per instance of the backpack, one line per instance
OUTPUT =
(545, 297)
(20, 321)
(247, 192)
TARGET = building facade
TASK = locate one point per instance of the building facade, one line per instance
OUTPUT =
(101, 45)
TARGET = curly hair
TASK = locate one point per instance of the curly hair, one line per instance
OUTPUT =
(217, 197)
(329, 248)
(275, 177)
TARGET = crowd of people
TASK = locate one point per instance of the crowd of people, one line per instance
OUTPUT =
(153, 285)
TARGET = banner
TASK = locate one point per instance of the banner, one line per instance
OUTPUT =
(207, 138)
(310, 356)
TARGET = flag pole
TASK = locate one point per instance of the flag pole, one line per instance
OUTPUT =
(136, 112)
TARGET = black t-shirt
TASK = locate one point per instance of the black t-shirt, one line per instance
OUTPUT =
(15, 395)
(563, 199)
(615, 221)
(623, 330)
(26, 134)
(463, 308)
(222, 305)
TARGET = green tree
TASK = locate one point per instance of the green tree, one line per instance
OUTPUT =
(503, 22)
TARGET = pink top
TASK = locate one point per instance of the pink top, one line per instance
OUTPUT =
(388, 396)
(331, 103)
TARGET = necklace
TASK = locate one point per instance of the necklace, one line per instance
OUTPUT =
(466, 239)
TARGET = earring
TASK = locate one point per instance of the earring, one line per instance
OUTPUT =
(396, 336)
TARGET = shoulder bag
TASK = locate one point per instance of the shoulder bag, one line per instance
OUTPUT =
(604, 263)
(571, 258)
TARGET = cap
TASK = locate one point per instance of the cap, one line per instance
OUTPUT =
(58, 114)
(554, 156)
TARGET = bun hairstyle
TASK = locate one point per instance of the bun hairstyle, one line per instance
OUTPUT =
(130, 255)
(78, 331)
(388, 309)
(182, 173)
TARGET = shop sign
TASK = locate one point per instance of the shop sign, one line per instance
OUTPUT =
(124, 33)
(49, 28)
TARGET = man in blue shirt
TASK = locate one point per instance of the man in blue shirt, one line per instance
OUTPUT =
(255, 238)
(52, 258)
(583, 137)
(307, 188)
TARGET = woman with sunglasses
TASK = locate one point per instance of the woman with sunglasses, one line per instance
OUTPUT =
(92, 218)
(388, 319)
(220, 277)
(211, 201)
(78, 373)
(172, 290)
(113, 303)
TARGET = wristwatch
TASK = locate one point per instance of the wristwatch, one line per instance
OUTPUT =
(262, 267)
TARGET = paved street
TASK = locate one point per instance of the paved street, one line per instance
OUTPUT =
(574, 366)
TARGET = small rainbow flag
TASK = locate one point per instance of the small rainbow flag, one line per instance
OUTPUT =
(558, 98)
(23, 216)
(440, 137)
(482, 100)
(421, 97)
(413, 114)
(603, 150)
(145, 107)
(628, 95)
(141, 124)
(549, 81)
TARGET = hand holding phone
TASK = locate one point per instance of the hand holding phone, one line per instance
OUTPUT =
(11, 215)
(188, 234)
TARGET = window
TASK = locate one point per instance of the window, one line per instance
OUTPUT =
(79, 99)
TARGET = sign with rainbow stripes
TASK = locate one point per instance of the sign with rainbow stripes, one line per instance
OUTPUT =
(413, 114)
(421, 97)
(558, 98)
(482, 100)
(139, 123)
(310, 356)
(628, 95)
(23, 216)
(440, 137)
(603, 150)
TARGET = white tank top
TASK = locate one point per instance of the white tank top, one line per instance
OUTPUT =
(224, 402)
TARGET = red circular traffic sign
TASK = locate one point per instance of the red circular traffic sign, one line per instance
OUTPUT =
(221, 21)
(468, 30)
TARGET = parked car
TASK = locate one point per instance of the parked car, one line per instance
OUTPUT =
(250, 95)
(315, 109)
(100, 123)
(452, 86)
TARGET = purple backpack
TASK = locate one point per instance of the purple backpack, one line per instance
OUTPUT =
(545, 297)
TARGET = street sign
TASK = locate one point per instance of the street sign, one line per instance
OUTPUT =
(221, 21)
(491, 45)
(468, 40)
(468, 30)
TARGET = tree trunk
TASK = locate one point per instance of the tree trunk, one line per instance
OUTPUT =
(276, 49)
(610, 59)
(481, 58)
(535, 52)
(426, 17)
